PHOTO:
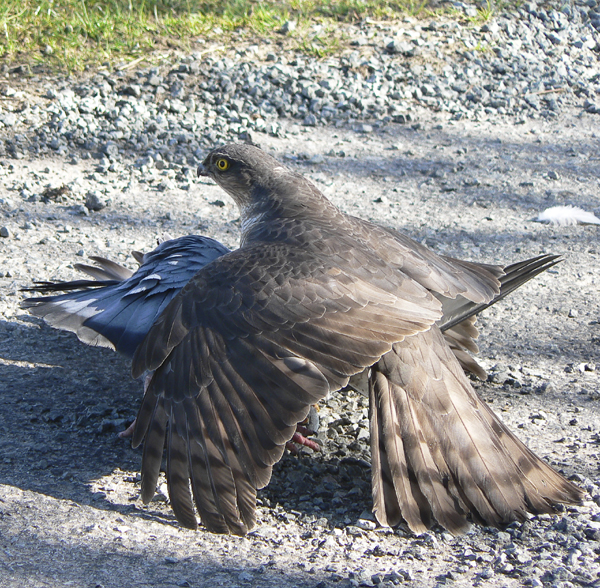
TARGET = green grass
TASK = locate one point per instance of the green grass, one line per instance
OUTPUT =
(73, 34)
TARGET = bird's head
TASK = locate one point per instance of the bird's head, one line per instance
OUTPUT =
(244, 171)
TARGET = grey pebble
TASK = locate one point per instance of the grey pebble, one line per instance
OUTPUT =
(310, 120)
(288, 26)
(94, 201)
(211, 97)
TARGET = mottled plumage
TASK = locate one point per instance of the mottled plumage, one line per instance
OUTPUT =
(312, 297)
(117, 308)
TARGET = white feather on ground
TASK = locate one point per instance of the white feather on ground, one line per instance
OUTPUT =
(567, 216)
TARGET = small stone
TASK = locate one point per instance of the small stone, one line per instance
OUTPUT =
(506, 568)
(177, 107)
(110, 148)
(95, 202)
(490, 27)
(562, 574)
(4, 232)
(79, 209)
(592, 107)
(164, 185)
(553, 175)
(288, 26)
(402, 118)
(366, 521)
(503, 536)
(145, 162)
(364, 128)
(310, 121)
(354, 531)
(133, 90)
(366, 525)
(9, 119)
(48, 50)
(554, 38)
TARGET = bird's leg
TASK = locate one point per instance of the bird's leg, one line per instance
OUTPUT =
(128, 432)
(299, 438)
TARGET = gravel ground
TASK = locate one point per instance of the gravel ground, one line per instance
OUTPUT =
(457, 135)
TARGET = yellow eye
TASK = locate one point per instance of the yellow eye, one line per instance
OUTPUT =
(222, 164)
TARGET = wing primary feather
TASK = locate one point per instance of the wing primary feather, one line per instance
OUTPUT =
(177, 469)
(153, 450)
(202, 487)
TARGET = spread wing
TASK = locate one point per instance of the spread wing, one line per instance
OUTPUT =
(515, 275)
(119, 307)
(458, 320)
(440, 453)
(241, 353)
(446, 276)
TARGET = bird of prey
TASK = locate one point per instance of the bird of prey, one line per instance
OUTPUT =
(312, 297)
(117, 307)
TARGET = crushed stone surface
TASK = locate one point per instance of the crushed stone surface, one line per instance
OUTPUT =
(103, 165)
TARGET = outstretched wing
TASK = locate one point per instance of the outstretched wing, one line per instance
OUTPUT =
(458, 320)
(118, 310)
(254, 339)
(440, 453)
(515, 275)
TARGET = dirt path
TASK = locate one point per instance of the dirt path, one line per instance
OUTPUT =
(69, 513)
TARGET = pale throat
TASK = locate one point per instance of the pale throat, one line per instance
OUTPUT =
(251, 216)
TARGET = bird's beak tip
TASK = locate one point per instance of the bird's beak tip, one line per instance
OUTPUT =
(202, 172)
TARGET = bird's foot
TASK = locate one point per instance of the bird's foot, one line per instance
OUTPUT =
(128, 432)
(300, 439)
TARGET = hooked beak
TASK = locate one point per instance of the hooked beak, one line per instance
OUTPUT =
(202, 171)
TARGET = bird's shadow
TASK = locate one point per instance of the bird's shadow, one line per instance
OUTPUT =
(62, 406)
